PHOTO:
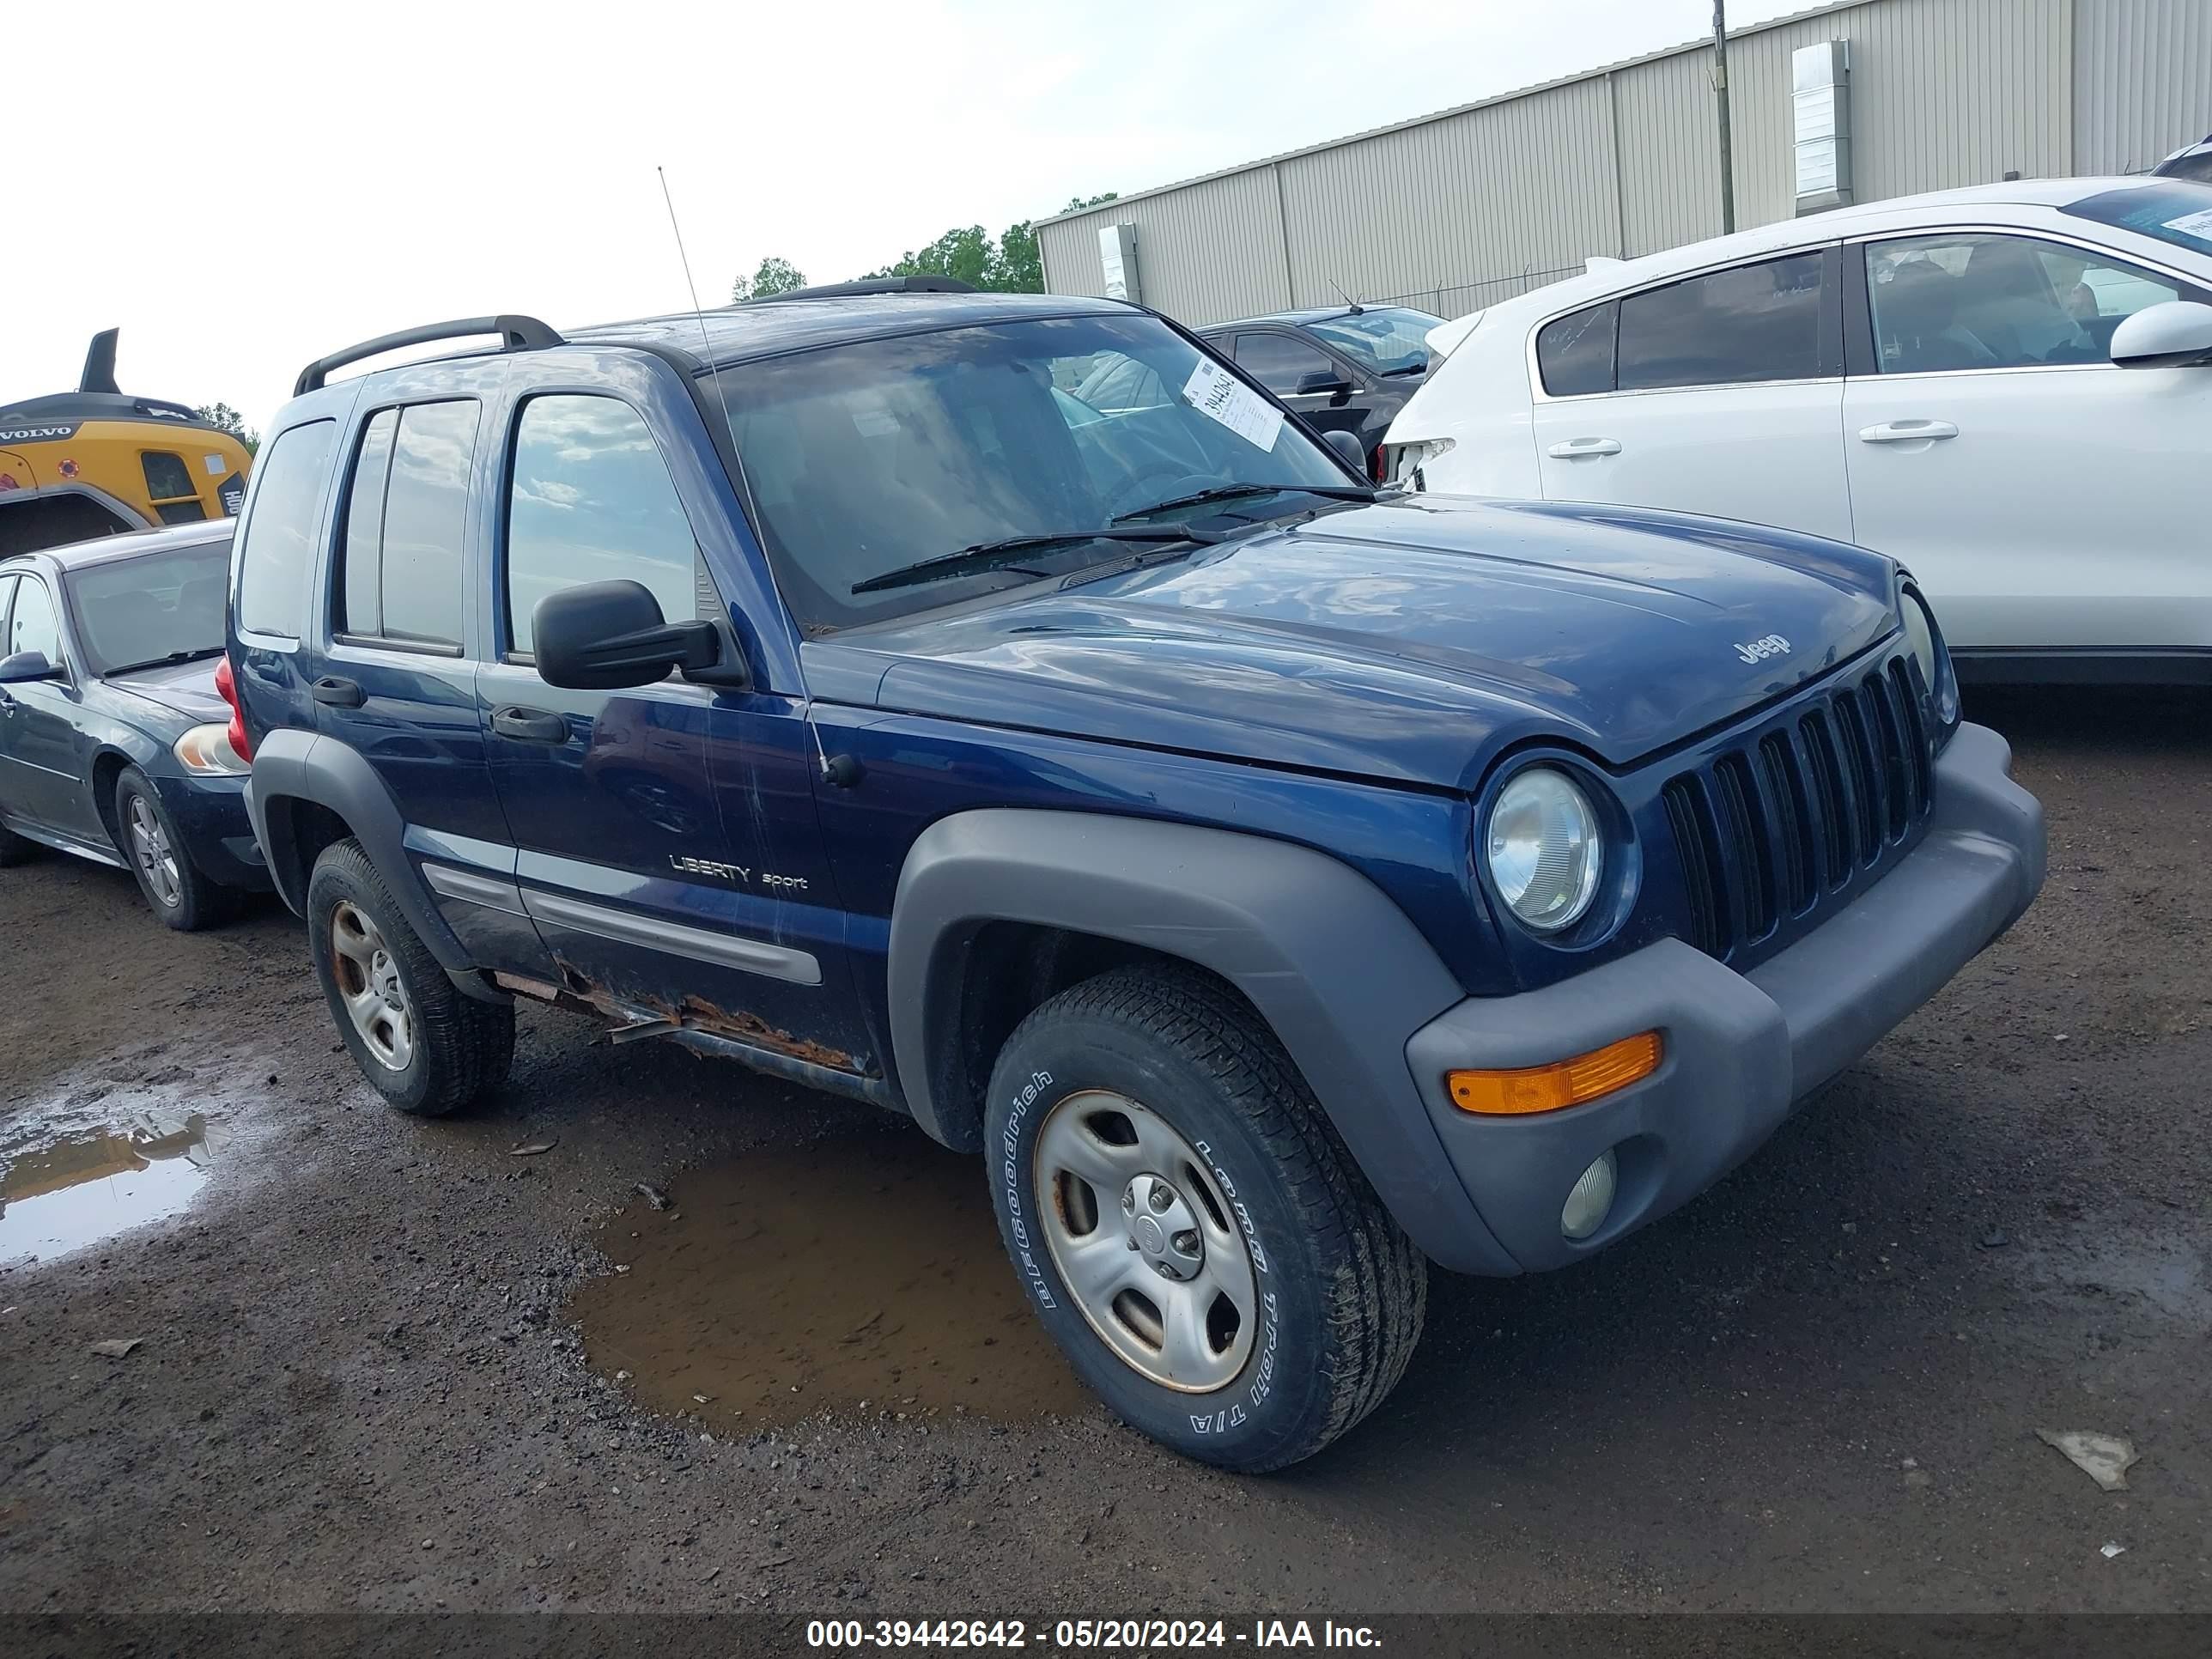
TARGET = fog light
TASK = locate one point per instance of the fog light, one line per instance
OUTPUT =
(1591, 1201)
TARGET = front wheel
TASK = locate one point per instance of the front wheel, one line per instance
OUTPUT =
(1189, 1226)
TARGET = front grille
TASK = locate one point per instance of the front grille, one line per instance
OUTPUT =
(1770, 827)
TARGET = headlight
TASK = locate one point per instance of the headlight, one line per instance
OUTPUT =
(206, 751)
(1543, 849)
(1929, 652)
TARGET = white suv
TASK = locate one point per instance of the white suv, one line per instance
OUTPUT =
(2007, 388)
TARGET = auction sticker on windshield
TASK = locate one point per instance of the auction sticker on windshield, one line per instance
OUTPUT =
(1212, 390)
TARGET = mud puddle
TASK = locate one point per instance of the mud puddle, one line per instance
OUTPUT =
(796, 1280)
(81, 1166)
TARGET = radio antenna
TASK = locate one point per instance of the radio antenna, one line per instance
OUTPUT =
(844, 771)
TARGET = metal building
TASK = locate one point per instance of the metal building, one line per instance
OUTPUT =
(1455, 210)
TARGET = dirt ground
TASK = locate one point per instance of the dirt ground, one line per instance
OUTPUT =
(392, 1365)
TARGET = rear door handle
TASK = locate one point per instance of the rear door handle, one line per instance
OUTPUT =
(1906, 432)
(1574, 448)
(530, 725)
(338, 693)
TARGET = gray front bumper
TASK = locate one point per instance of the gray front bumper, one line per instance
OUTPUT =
(1740, 1049)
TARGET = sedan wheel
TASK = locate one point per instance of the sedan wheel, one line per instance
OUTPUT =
(157, 860)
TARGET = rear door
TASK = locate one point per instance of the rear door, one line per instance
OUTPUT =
(395, 681)
(1719, 394)
(668, 845)
(1332, 395)
(2047, 499)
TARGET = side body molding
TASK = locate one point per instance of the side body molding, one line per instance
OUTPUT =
(1333, 965)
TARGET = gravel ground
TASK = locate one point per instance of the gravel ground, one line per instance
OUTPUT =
(392, 1365)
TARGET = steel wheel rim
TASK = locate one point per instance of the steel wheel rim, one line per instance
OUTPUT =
(369, 986)
(156, 858)
(1145, 1242)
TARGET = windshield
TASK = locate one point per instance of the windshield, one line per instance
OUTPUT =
(867, 458)
(164, 607)
(2173, 210)
(1386, 338)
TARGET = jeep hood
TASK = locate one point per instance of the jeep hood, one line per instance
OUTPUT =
(1411, 640)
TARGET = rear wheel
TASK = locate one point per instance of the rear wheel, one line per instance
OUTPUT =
(426, 1048)
(14, 848)
(1189, 1226)
(176, 889)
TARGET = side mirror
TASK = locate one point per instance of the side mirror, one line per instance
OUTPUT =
(1315, 381)
(26, 665)
(1348, 449)
(2175, 335)
(607, 636)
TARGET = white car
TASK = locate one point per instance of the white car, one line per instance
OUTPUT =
(2008, 389)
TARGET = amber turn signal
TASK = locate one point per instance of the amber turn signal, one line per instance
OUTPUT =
(1562, 1083)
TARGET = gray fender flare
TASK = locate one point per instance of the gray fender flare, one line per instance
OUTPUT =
(291, 766)
(1335, 967)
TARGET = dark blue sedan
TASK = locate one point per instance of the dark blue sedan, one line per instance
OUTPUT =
(114, 743)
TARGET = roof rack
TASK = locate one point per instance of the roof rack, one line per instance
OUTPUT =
(517, 332)
(871, 285)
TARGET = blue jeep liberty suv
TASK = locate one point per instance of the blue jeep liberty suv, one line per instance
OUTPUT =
(1281, 883)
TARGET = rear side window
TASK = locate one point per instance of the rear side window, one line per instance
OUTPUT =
(1574, 353)
(277, 542)
(407, 524)
(1748, 323)
(591, 502)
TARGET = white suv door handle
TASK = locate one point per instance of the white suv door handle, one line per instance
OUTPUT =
(1906, 432)
(1574, 448)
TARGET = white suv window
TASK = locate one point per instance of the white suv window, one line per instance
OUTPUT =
(1976, 299)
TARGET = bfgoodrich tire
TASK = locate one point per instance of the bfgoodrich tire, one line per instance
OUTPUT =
(1189, 1227)
(425, 1047)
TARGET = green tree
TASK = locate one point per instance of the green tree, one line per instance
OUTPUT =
(1012, 264)
(775, 276)
(224, 418)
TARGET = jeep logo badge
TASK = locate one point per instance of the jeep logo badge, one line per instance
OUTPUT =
(1758, 650)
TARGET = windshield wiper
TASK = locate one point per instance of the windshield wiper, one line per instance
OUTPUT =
(999, 554)
(1409, 369)
(173, 657)
(1230, 492)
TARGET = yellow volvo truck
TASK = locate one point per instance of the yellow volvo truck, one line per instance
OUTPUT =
(98, 460)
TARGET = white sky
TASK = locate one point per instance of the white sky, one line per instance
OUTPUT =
(246, 187)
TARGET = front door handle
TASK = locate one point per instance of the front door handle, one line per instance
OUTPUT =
(530, 725)
(1574, 448)
(1906, 432)
(338, 693)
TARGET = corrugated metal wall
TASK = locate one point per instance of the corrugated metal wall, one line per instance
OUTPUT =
(1457, 210)
(2143, 81)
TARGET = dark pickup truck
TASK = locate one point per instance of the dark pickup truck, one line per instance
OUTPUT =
(1282, 884)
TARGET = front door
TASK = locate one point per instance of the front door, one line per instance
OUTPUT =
(42, 753)
(2045, 499)
(1720, 394)
(668, 846)
(1333, 395)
